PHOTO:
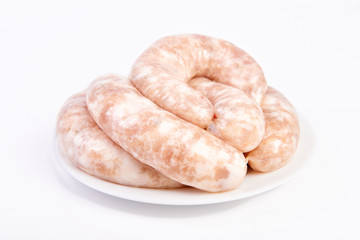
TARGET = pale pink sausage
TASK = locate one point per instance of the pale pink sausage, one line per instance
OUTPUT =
(162, 71)
(176, 148)
(86, 145)
(281, 135)
(239, 119)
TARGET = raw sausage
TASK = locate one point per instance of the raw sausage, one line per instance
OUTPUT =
(162, 71)
(178, 149)
(239, 119)
(281, 135)
(87, 146)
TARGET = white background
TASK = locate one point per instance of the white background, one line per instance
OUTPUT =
(49, 51)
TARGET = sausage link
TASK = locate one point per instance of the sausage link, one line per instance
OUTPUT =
(178, 149)
(282, 134)
(162, 71)
(87, 146)
(239, 119)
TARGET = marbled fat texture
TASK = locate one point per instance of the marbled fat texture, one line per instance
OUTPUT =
(176, 148)
(282, 134)
(87, 146)
(162, 71)
(192, 106)
(239, 119)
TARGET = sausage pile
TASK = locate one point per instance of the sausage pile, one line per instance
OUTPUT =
(194, 111)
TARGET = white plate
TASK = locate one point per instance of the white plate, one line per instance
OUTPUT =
(253, 184)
